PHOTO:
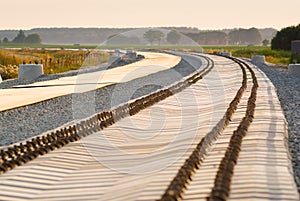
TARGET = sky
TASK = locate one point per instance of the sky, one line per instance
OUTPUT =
(210, 14)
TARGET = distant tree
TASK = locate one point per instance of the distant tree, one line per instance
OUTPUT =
(5, 40)
(209, 37)
(245, 37)
(20, 38)
(216, 38)
(253, 37)
(173, 37)
(121, 39)
(149, 36)
(112, 36)
(234, 37)
(266, 42)
(154, 35)
(193, 36)
(33, 39)
(283, 38)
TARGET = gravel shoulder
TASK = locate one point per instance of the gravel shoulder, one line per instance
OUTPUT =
(288, 90)
(25, 122)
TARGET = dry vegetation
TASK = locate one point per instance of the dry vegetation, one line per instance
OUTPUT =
(54, 61)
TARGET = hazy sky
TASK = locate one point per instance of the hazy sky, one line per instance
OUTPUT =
(210, 14)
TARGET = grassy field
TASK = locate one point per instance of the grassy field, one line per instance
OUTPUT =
(10, 45)
(54, 61)
(272, 56)
(61, 60)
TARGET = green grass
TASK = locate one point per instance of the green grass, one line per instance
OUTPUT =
(272, 56)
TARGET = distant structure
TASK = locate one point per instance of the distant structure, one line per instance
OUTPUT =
(296, 47)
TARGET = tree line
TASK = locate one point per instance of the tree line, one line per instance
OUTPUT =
(152, 36)
(149, 37)
(284, 38)
(235, 37)
(21, 38)
(96, 36)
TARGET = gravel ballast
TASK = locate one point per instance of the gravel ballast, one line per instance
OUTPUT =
(288, 90)
(25, 122)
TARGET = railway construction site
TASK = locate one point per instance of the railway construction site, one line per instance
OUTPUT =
(172, 126)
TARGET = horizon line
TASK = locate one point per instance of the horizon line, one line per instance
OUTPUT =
(129, 27)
